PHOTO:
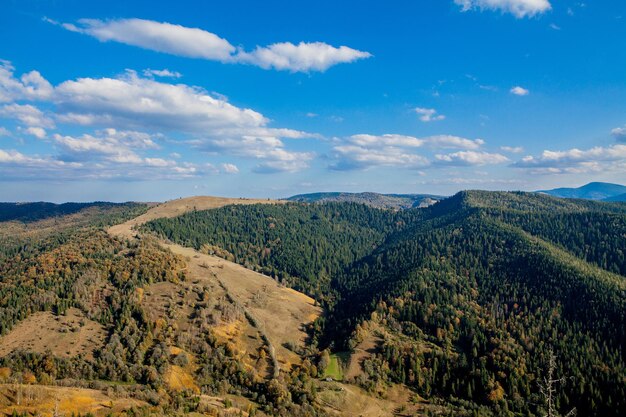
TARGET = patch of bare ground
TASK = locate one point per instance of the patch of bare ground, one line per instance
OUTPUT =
(371, 341)
(47, 401)
(66, 335)
(231, 404)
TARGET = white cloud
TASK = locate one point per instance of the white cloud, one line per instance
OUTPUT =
(198, 43)
(619, 133)
(12, 157)
(465, 158)
(27, 114)
(453, 142)
(428, 115)
(162, 73)
(133, 102)
(230, 168)
(130, 102)
(358, 157)
(512, 149)
(555, 26)
(4, 132)
(303, 57)
(576, 160)
(31, 86)
(110, 144)
(518, 8)
(519, 91)
(268, 149)
(37, 132)
(386, 140)
(365, 151)
(157, 36)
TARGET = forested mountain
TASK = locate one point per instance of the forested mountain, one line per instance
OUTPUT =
(472, 294)
(591, 191)
(460, 306)
(385, 201)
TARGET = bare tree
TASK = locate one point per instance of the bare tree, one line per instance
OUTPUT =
(548, 388)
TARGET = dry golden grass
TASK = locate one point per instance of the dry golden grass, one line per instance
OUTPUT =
(178, 379)
(281, 313)
(43, 400)
(62, 335)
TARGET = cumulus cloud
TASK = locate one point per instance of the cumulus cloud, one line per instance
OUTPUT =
(161, 73)
(352, 157)
(130, 103)
(365, 151)
(512, 149)
(109, 144)
(230, 168)
(518, 8)
(303, 57)
(386, 140)
(161, 37)
(519, 91)
(576, 160)
(14, 164)
(428, 115)
(198, 43)
(26, 114)
(31, 86)
(38, 132)
(619, 133)
(270, 150)
(453, 142)
(469, 158)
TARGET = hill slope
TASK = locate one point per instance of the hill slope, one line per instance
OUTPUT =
(471, 295)
(385, 201)
(616, 198)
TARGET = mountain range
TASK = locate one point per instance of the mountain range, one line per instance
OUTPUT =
(214, 306)
(593, 191)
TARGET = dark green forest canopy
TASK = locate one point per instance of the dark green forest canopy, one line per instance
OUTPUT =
(491, 281)
(30, 212)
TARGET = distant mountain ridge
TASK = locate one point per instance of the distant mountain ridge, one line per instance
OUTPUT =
(619, 197)
(388, 201)
(593, 191)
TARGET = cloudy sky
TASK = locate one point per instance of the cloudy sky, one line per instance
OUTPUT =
(162, 99)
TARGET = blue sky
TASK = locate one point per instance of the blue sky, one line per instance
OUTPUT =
(158, 100)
